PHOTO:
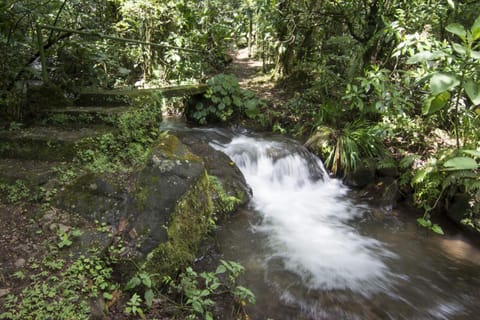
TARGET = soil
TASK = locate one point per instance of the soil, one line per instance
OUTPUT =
(20, 240)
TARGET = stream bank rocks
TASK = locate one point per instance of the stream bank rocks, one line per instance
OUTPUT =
(165, 208)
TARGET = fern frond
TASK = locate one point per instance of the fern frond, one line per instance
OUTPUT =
(407, 161)
(473, 186)
(464, 177)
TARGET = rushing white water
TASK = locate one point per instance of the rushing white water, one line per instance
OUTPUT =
(305, 218)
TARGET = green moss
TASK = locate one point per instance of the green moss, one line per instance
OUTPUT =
(171, 148)
(191, 221)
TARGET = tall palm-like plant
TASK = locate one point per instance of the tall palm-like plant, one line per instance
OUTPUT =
(344, 148)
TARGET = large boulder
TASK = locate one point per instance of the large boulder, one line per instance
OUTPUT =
(164, 209)
(218, 164)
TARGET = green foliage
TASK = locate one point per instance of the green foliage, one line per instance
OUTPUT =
(226, 202)
(61, 289)
(145, 280)
(455, 171)
(344, 149)
(452, 73)
(226, 100)
(136, 131)
(15, 192)
(197, 290)
(134, 306)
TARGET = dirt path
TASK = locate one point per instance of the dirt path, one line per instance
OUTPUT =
(250, 76)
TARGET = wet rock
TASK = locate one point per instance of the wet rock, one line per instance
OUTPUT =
(361, 177)
(221, 166)
(384, 193)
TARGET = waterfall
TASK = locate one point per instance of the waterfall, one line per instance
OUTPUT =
(305, 217)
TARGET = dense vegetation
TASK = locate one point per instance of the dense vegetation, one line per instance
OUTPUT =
(393, 81)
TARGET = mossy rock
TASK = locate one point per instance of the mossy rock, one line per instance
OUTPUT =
(96, 197)
(190, 222)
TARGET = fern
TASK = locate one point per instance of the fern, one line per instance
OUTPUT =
(459, 178)
(408, 161)
(473, 186)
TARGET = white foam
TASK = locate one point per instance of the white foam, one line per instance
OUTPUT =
(306, 220)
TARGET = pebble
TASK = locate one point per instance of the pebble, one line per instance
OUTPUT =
(4, 292)
(20, 263)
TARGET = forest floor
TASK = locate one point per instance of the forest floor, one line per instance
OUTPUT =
(250, 75)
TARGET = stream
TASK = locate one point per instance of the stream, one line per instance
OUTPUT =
(313, 251)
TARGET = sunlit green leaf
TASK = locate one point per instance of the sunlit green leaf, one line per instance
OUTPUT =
(473, 91)
(135, 281)
(437, 103)
(423, 56)
(476, 29)
(420, 175)
(441, 82)
(220, 269)
(107, 296)
(475, 55)
(459, 49)
(424, 223)
(437, 229)
(460, 163)
(458, 29)
(451, 4)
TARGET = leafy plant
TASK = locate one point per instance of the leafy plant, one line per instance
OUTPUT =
(15, 192)
(142, 279)
(198, 289)
(61, 289)
(454, 171)
(226, 100)
(134, 306)
(226, 202)
(137, 130)
(344, 149)
(452, 72)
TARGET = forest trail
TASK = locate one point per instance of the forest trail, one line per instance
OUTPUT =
(248, 71)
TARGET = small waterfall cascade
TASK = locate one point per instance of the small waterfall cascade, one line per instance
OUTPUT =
(305, 217)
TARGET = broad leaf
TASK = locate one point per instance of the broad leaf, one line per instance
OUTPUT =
(421, 57)
(458, 29)
(475, 55)
(424, 223)
(459, 49)
(437, 103)
(473, 91)
(475, 153)
(451, 3)
(476, 29)
(420, 175)
(149, 297)
(460, 163)
(134, 282)
(441, 82)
